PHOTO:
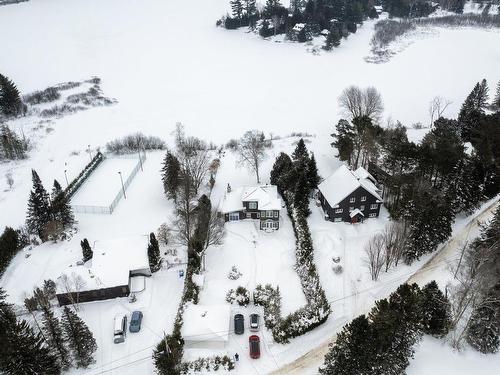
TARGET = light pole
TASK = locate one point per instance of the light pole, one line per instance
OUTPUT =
(123, 187)
(66, 177)
(140, 159)
(90, 152)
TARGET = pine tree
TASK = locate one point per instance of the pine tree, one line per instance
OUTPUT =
(300, 156)
(54, 334)
(154, 256)
(11, 146)
(483, 333)
(283, 174)
(9, 245)
(203, 213)
(436, 311)
(171, 175)
(312, 173)
(333, 39)
(79, 338)
(60, 207)
(24, 352)
(344, 140)
(86, 250)
(464, 189)
(237, 8)
(10, 99)
(472, 109)
(496, 101)
(353, 351)
(38, 207)
(301, 195)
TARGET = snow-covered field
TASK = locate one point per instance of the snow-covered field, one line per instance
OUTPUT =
(164, 62)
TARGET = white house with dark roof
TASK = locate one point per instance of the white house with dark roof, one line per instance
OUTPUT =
(350, 196)
(260, 202)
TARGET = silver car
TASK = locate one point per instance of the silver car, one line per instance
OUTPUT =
(120, 328)
(254, 322)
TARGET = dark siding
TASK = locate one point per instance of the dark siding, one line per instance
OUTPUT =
(94, 295)
(345, 204)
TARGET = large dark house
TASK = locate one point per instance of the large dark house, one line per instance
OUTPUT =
(350, 196)
(253, 202)
(111, 273)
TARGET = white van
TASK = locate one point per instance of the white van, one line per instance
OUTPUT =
(120, 329)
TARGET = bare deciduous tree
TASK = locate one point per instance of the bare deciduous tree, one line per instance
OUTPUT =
(215, 233)
(437, 106)
(164, 234)
(394, 243)
(251, 150)
(375, 255)
(72, 285)
(9, 179)
(356, 102)
(185, 207)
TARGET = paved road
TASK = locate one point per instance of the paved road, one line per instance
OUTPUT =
(314, 358)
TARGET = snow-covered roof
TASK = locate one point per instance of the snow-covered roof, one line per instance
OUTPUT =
(363, 173)
(266, 196)
(355, 212)
(298, 27)
(206, 323)
(343, 182)
(378, 8)
(111, 264)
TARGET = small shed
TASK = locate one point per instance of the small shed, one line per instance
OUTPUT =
(206, 326)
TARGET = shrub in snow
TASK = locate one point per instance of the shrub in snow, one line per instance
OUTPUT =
(337, 269)
(241, 296)
(135, 142)
(45, 96)
(269, 298)
(208, 364)
(234, 274)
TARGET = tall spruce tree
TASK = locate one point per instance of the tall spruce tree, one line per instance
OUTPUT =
(312, 173)
(54, 334)
(10, 98)
(496, 100)
(9, 245)
(60, 207)
(483, 333)
(203, 213)
(11, 146)
(236, 8)
(344, 140)
(171, 175)
(154, 256)
(80, 340)
(301, 195)
(25, 352)
(333, 38)
(300, 156)
(283, 174)
(472, 109)
(39, 213)
(86, 250)
(435, 310)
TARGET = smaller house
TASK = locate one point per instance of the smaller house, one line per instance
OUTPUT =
(109, 274)
(253, 202)
(379, 9)
(206, 326)
(350, 196)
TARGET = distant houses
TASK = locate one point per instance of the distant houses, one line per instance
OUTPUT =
(350, 196)
(111, 273)
(260, 202)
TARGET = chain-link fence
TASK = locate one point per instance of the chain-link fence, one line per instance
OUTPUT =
(84, 209)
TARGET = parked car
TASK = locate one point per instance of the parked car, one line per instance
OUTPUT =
(135, 321)
(254, 344)
(239, 324)
(120, 330)
(254, 322)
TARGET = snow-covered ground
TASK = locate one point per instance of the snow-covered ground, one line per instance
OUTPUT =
(165, 61)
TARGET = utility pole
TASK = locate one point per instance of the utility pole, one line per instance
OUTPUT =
(90, 152)
(66, 177)
(123, 187)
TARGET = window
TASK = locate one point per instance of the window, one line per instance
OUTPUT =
(258, 215)
(234, 216)
(351, 209)
(252, 205)
(352, 200)
(373, 214)
(373, 206)
(362, 207)
(276, 213)
(249, 215)
(339, 210)
(275, 225)
(363, 198)
(269, 213)
(337, 219)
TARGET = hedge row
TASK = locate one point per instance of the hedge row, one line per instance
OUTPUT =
(84, 174)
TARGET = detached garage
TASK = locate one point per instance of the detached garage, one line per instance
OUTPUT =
(206, 326)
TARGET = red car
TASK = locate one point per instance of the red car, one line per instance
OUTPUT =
(254, 342)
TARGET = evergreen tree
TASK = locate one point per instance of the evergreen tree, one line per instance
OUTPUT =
(9, 245)
(353, 352)
(24, 352)
(203, 213)
(54, 334)
(7, 315)
(79, 338)
(86, 250)
(60, 207)
(464, 188)
(301, 195)
(283, 174)
(237, 8)
(10, 99)
(496, 101)
(483, 333)
(300, 156)
(472, 109)
(38, 207)
(154, 256)
(436, 311)
(171, 175)
(11, 146)
(272, 7)
(344, 140)
(312, 173)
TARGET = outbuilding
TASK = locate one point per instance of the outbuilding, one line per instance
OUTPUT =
(206, 326)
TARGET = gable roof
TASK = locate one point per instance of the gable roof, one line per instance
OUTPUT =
(343, 182)
(265, 195)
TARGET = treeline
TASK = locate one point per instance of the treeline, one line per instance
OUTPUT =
(303, 20)
(11, 241)
(453, 169)
(383, 342)
(56, 344)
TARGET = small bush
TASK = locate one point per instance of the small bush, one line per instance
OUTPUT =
(50, 94)
(135, 142)
(234, 274)
(241, 296)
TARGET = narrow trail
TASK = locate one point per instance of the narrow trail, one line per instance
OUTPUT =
(314, 358)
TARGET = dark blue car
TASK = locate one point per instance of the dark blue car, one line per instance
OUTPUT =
(135, 321)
